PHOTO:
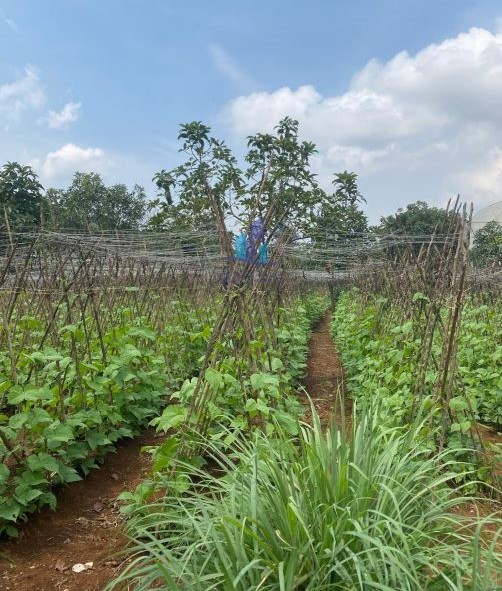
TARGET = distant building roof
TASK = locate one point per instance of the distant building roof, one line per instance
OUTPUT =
(492, 213)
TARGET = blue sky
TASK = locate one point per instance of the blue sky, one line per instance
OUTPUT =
(103, 85)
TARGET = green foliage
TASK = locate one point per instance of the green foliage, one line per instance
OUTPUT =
(67, 406)
(89, 204)
(487, 245)
(340, 213)
(203, 183)
(380, 353)
(209, 186)
(380, 357)
(346, 188)
(61, 414)
(279, 168)
(417, 219)
(315, 308)
(20, 195)
(242, 399)
(328, 510)
(480, 358)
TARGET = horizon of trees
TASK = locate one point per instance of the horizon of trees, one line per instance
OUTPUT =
(277, 168)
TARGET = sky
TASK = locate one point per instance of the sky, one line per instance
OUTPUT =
(406, 93)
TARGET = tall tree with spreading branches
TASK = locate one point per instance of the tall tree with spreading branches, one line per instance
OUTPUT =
(276, 183)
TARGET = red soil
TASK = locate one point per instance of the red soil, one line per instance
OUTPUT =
(86, 527)
(324, 380)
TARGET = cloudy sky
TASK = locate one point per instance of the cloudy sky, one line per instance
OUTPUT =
(407, 93)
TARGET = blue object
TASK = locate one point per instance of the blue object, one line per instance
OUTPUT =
(263, 253)
(241, 246)
(256, 235)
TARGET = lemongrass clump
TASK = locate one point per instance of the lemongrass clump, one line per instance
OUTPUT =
(330, 511)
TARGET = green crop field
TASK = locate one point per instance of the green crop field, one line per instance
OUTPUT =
(322, 400)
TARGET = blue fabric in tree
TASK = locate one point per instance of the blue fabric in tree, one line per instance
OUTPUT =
(241, 246)
(263, 253)
(256, 235)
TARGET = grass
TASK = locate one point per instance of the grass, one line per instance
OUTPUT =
(329, 511)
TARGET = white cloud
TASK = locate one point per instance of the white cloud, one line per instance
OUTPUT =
(484, 181)
(61, 164)
(356, 157)
(228, 68)
(23, 94)
(413, 127)
(12, 24)
(62, 119)
(262, 110)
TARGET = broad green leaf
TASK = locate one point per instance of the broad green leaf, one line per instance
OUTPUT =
(4, 473)
(214, 378)
(172, 416)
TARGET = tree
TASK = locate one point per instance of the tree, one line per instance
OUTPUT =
(340, 214)
(346, 188)
(188, 213)
(209, 187)
(487, 245)
(20, 195)
(89, 204)
(418, 219)
(417, 224)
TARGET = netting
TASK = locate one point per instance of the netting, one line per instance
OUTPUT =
(36, 258)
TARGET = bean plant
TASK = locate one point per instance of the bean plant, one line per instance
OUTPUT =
(380, 352)
(67, 407)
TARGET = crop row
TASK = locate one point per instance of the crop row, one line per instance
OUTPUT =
(66, 404)
(381, 352)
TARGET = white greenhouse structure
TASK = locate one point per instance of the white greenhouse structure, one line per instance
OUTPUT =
(487, 214)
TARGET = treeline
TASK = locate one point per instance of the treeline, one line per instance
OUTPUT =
(87, 204)
(186, 196)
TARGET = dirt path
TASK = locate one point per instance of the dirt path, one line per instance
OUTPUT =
(86, 527)
(324, 379)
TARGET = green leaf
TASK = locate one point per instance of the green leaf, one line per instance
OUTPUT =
(47, 498)
(164, 454)
(462, 426)
(4, 473)
(214, 378)
(276, 364)
(95, 439)
(124, 374)
(59, 433)
(172, 416)
(25, 494)
(458, 403)
(260, 380)
(43, 461)
(67, 474)
(286, 421)
(9, 509)
(12, 531)
(29, 394)
(143, 332)
(31, 478)
(18, 420)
